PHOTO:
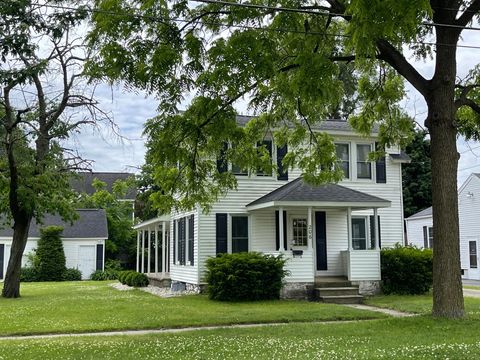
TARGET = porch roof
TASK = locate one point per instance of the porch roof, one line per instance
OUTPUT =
(299, 193)
(152, 222)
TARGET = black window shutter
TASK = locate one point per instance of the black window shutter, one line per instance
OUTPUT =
(221, 232)
(181, 240)
(222, 164)
(2, 259)
(372, 232)
(99, 257)
(174, 242)
(381, 168)
(282, 172)
(191, 238)
(277, 231)
(425, 237)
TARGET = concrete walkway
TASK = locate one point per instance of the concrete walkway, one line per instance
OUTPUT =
(471, 293)
(392, 313)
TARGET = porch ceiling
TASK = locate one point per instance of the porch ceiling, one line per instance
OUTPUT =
(297, 193)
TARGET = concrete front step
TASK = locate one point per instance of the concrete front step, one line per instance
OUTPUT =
(342, 299)
(333, 284)
(332, 291)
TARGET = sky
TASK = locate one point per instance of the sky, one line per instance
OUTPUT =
(125, 150)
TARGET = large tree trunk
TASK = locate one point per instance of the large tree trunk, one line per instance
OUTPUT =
(447, 282)
(11, 286)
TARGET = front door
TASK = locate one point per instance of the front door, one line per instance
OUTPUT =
(321, 240)
(86, 260)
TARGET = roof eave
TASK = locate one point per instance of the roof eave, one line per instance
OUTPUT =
(320, 204)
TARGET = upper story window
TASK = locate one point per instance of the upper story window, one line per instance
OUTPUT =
(268, 147)
(364, 166)
(343, 158)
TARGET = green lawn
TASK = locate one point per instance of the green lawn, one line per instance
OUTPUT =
(409, 338)
(473, 287)
(95, 306)
(420, 304)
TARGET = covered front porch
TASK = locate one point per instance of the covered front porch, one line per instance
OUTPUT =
(153, 248)
(326, 230)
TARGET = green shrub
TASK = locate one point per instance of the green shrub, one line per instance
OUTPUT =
(51, 257)
(245, 276)
(406, 270)
(72, 274)
(133, 278)
(28, 274)
(104, 275)
(112, 264)
(138, 280)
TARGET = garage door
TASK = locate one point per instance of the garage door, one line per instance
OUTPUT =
(86, 260)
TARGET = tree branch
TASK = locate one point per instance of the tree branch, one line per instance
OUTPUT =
(468, 14)
(394, 58)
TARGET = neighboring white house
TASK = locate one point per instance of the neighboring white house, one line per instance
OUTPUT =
(83, 241)
(420, 229)
(469, 220)
(323, 231)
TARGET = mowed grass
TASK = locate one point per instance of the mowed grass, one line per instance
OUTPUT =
(420, 304)
(95, 306)
(409, 338)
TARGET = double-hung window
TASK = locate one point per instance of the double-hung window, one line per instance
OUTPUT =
(472, 247)
(359, 233)
(343, 159)
(364, 166)
(268, 147)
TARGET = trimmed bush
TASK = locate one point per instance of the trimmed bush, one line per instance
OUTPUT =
(72, 274)
(133, 278)
(406, 270)
(28, 274)
(100, 275)
(245, 276)
(51, 257)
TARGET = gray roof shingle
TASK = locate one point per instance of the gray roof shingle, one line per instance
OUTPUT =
(92, 223)
(424, 212)
(82, 182)
(298, 190)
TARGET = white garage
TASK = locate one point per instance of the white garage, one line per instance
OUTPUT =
(83, 241)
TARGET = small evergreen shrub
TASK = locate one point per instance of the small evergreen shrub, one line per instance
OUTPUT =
(72, 274)
(51, 257)
(133, 278)
(406, 270)
(100, 275)
(138, 280)
(245, 276)
(28, 274)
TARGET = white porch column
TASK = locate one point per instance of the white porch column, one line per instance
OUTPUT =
(156, 248)
(309, 229)
(149, 250)
(281, 235)
(164, 249)
(143, 251)
(138, 250)
(375, 221)
(349, 227)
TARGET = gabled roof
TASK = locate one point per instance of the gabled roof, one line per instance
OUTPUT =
(424, 213)
(325, 125)
(82, 182)
(92, 223)
(298, 191)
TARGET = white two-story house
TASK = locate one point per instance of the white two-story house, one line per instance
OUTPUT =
(332, 230)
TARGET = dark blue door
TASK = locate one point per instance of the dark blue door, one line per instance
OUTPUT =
(321, 239)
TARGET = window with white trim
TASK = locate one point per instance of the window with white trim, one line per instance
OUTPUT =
(472, 247)
(364, 166)
(359, 233)
(299, 229)
(343, 158)
(239, 233)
